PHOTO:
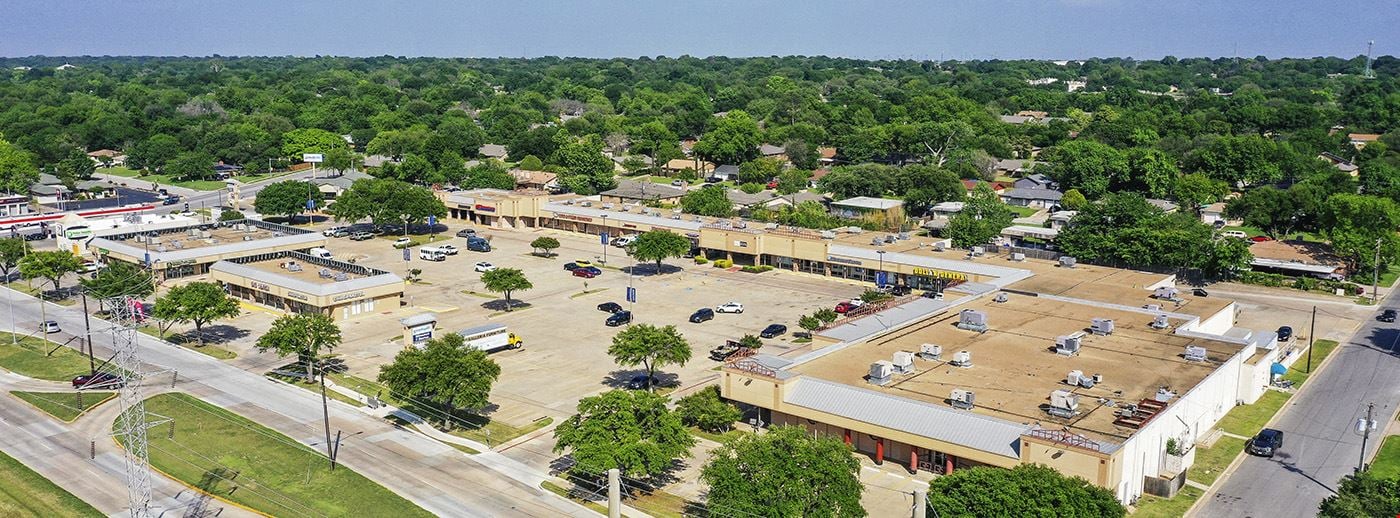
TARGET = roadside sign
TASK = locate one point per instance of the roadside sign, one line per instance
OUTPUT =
(880, 278)
(405, 254)
(314, 158)
(432, 220)
(631, 294)
(310, 204)
(603, 237)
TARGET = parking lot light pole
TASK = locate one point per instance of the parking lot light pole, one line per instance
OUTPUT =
(882, 261)
(605, 241)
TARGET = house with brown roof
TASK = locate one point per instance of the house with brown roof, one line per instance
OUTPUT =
(997, 187)
(107, 156)
(826, 155)
(772, 151)
(536, 180)
(1359, 140)
(495, 151)
(817, 175)
(677, 165)
(1297, 258)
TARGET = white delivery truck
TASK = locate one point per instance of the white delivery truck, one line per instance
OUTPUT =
(491, 337)
(432, 253)
(320, 253)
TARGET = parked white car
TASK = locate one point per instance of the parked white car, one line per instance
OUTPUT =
(485, 267)
(403, 242)
(448, 249)
(730, 307)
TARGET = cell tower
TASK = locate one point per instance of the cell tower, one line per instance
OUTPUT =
(133, 422)
(1369, 73)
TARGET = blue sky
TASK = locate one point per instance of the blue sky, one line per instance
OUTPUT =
(930, 29)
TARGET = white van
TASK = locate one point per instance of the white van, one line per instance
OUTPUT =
(432, 253)
(1235, 234)
(320, 253)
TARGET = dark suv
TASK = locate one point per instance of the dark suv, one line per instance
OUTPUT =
(701, 315)
(1387, 316)
(773, 330)
(619, 318)
(610, 307)
(1266, 444)
(1285, 333)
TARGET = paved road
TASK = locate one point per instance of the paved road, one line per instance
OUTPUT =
(1319, 444)
(431, 474)
(197, 199)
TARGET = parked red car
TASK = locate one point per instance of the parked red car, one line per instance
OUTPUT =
(585, 273)
(1261, 239)
(848, 305)
(772, 184)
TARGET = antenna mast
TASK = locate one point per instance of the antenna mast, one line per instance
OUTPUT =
(1369, 73)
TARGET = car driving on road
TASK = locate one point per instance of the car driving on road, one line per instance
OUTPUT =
(1266, 443)
(1387, 316)
(99, 380)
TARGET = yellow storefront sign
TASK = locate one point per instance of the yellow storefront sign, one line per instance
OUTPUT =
(940, 274)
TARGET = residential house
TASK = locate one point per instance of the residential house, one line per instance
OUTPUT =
(1032, 114)
(537, 180)
(379, 160)
(817, 175)
(1014, 167)
(860, 206)
(619, 159)
(1342, 164)
(946, 209)
(726, 173)
(1297, 258)
(826, 156)
(495, 151)
(224, 171)
(743, 201)
(1060, 219)
(1359, 140)
(677, 165)
(333, 186)
(1036, 181)
(1166, 206)
(1213, 214)
(795, 199)
(628, 191)
(997, 187)
(772, 151)
(115, 158)
(1035, 198)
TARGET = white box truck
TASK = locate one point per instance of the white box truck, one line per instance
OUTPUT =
(491, 337)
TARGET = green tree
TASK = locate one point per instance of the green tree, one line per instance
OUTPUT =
(826, 315)
(1073, 200)
(1150, 171)
(117, 279)
(862, 180)
(983, 217)
(445, 372)
(1086, 165)
(287, 198)
(925, 186)
(659, 245)
(1196, 190)
(707, 411)
(191, 165)
(301, 141)
(760, 171)
(1270, 209)
(196, 303)
(785, 472)
(733, 139)
(490, 174)
(651, 347)
(792, 181)
(153, 153)
(12, 250)
(1238, 160)
(707, 201)
(386, 201)
(990, 491)
(1359, 225)
(51, 265)
(751, 341)
(506, 281)
(75, 167)
(544, 245)
(310, 336)
(531, 163)
(586, 170)
(342, 159)
(809, 322)
(413, 169)
(1363, 494)
(631, 430)
(17, 171)
(871, 296)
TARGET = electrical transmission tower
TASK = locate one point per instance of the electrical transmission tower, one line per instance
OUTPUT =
(1369, 73)
(133, 422)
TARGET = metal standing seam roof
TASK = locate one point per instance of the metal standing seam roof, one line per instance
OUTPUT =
(313, 288)
(971, 267)
(1033, 194)
(480, 329)
(170, 255)
(630, 217)
(886, 319)
(1290, 265)
(867, 202)
(965, 428)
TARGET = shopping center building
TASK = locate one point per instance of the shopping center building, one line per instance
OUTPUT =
(1087, 369)
(295, 282)
(190, 250)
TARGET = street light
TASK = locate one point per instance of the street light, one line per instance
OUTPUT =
(882, 262)
(604, 240)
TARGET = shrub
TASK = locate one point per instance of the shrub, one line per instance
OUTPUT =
(757, 269)
(701, 260)
(724, 263)
(707, 411)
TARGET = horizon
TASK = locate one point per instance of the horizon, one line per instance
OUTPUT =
(600, 29)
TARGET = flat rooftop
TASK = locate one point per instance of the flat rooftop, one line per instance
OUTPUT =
(300, 269)
(1015, 368)
(312, 275)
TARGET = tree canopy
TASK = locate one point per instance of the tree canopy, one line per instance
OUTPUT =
(197, 303)
(785, 472)
(707, 201)
(651, 347)
(309, 336)
(287, 198)
(982, 218)
(1363, 494)
(659, 245)
(386, 201)
(445, 372)
(506, 281)
(991, 491)
(51, 265)
(631, 430)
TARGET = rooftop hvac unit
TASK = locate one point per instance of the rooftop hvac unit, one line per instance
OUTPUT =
(341, 277)
(1063, 403)
(827, 234)
(930, 351)
(204, 234)
(1166, 293)
(1073, 378)
(1101, 326)
(586, 203)
(962, 399)
(1159, 322)
(889, 239)
(676, 216)
(247, 238)
(1067, 262)
(1087, 382)
(607, 206)
(962, 359)
(880, 372)
(771, 226)
(903, 236)
(140, 238)
(1163, 395)
(192, 232)
(903, 362)
(875, 241)
(569, 201)
(972, 320)
(939, 246)
(855, 230)
(1195, 353)
(1152, 307)
(977, 250)
(1018, 256)
(154, 240)
(1068, 345)
(1001, 297)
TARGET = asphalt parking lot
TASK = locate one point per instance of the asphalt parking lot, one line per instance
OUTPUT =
(565, 355)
